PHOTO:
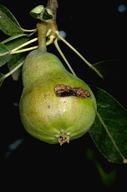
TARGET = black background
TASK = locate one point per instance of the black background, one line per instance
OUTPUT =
(99, 32)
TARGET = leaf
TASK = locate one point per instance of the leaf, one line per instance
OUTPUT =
(13, 38)
(16, 42)
(9, 14)
(4, 55)
(8, 23)
(109, 131)
(14, 62)
(5, 48)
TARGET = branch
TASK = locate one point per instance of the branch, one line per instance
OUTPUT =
(53, 5)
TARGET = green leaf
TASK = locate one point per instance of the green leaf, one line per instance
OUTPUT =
(9, 45)
(13, 38)
(14, 62)
(4, 54)
(109, 131)
(9, 14)
(13, 43)
(8, 23)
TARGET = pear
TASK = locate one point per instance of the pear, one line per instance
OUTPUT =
(55, 106)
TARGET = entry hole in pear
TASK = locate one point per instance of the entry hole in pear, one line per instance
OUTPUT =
(62, 90)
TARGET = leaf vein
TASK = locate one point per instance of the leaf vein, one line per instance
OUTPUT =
(111, 138)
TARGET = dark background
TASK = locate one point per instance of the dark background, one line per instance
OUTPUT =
(98, 30)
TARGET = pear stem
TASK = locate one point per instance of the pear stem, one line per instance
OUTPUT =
(42, 31)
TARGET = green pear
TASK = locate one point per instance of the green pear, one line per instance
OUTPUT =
(55, 105)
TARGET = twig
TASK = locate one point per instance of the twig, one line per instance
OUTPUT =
(53, 5)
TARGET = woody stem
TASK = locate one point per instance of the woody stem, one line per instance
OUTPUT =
(42, 31)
